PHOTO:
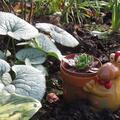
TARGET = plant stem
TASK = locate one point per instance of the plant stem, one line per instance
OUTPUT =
(14, 50)
(7, 47)
(31, 12)
(5, 6)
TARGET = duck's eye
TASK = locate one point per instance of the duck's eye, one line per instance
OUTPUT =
(112, 57)
(118, 60)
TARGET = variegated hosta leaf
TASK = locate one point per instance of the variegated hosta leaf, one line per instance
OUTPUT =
(4, 67)
(59, 35)
(16, 27)
(47, 45)
(34, 55)
(17, 107)
(28, 82)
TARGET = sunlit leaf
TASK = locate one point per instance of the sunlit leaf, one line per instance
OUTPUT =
(45, 43)
(17, 107)
(28, 82)
(16, 27)
(58, 34)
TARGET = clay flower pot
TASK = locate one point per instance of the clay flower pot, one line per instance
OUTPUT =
(74, 81)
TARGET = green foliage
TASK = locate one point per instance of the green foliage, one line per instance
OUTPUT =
(116, 16)
(47, 7)
(83, 61)
(77, 10)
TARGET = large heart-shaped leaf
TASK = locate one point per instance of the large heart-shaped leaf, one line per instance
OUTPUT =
(58, 34)
(34, 55)
(17, 107)
(16, 27)
(47, 45)
(28, 82)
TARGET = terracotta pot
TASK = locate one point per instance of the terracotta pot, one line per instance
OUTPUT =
(73, 82)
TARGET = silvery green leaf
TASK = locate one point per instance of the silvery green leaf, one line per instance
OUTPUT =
(2, 55)
(17, 107)
(9, 89)
(47, 45)
(16, 27)
(6, 79)
(59, 35)
(1, 86)
(41, 68)
(34, 55)
(100, 35)
(4, 67)
(27, 62)
(28, 82)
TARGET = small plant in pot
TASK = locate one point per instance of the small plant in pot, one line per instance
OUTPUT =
(82, 61)
(76, 71)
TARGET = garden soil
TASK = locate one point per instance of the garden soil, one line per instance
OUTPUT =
(81, 110)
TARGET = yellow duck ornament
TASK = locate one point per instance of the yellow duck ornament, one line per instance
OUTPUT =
(105, 91)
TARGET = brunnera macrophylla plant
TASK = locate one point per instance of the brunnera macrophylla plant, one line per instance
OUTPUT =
(29, 82)
(21, 95)
(18, 29)
(44, 45)
(19, 89)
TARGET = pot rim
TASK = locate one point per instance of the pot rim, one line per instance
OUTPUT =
(81, 74)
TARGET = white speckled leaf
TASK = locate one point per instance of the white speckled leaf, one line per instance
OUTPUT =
(47, 45)
(16, 27)
(34, 55)
(59, 35)
(28, 82)
(17, 107)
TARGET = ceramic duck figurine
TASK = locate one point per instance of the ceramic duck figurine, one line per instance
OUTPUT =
(105, 91)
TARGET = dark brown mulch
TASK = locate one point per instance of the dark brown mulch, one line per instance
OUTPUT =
(82, 110)
(101, 48)
(75, 111)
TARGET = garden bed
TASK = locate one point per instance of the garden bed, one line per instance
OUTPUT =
(79, 22)
(80, 110)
